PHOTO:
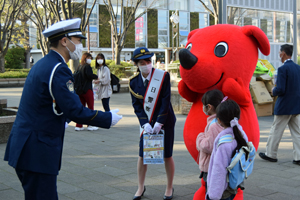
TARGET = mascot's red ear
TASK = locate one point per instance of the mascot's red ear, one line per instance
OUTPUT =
(192, 33)
(260, 36)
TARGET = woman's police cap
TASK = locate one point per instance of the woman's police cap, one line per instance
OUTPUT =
(65, 28)
(141, 53)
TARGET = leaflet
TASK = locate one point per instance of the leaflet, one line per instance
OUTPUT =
(154, 148)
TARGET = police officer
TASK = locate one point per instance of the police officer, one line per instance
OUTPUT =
(162, 117)
(35, 144)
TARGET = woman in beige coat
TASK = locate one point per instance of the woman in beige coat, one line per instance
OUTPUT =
(102, 87)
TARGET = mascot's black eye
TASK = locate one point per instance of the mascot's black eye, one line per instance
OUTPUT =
(189, 46)
(221, 49)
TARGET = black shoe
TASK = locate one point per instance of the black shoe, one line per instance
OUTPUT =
(263, 156)
(169, 197)
(139, 197)
(296, 162)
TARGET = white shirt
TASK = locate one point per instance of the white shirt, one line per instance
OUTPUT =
(148, 77)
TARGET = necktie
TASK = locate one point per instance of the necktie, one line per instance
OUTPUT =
(146, 83)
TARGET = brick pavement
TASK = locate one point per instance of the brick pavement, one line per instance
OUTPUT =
(102, 164)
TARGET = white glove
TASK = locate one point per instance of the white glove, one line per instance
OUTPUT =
(157, 127)
(115, 117)
(147, 128)
(66, 125)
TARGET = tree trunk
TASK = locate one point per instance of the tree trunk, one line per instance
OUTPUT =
(27, 59)
(118, 50)
(2, 63)
(216, 19)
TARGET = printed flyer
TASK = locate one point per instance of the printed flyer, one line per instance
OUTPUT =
(154, 148)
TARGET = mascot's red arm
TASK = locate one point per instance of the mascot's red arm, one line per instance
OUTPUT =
(186, 93)
(202, 69)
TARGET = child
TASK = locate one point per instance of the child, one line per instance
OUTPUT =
(205, 140)
(228, 113)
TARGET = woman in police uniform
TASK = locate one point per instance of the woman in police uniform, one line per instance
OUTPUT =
(163, 117)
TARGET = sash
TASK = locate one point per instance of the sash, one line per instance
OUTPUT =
(152, 94)
(50, 91)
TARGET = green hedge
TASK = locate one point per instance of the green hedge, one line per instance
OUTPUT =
(124, 70)
(14, 57)
(14, 74)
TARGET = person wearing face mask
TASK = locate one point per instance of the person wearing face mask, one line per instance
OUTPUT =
(287, 107)
(205, 140)
(87, 97)
(102, 86)
(151, 99)
(35, 144)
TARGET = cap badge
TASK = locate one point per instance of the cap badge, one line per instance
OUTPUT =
(142, 50)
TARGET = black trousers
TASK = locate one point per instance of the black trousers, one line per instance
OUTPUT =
(105, 104)
(38, 186)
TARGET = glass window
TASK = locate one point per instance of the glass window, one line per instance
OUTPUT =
(203, 20)
(162, 4)
(93, 26)
(266, 23)
(117, 11)
(276, 25)
(184, 27)
(140, 29)
(180, 4)
(198, 6)
(163, 22)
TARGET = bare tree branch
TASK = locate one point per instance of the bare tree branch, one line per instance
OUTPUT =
(206, 8)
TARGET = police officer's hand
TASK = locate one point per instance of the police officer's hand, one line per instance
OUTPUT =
(157, 127)
(148, 128)
(115, 117)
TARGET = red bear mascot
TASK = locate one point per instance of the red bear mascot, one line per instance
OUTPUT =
(220, 57)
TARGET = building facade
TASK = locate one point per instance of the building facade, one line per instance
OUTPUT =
(154, 29)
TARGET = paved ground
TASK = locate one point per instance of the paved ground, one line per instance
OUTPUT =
(102, 164)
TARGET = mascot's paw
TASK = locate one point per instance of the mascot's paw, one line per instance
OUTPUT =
(186, 93)
(236, 90)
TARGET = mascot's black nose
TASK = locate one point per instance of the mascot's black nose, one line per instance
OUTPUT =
(187, 59)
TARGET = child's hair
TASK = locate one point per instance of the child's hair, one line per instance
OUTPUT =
(212, 97)
(226, 112)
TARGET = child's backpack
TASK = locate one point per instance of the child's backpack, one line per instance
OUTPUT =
(239, 167)
(79, 81)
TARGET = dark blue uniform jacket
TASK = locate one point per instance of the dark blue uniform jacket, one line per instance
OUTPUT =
(163, 113)
(287, 89)
(36, 139)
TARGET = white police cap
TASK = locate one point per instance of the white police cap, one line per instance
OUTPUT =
(64, 28)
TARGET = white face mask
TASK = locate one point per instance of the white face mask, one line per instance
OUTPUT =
(100, 61)
(145, 69)
(88, 61)
(76, 54)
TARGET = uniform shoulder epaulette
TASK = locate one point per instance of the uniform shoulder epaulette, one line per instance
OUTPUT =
(136, 95)
(133, 76)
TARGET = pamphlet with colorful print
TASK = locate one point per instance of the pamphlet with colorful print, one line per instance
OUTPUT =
(154, 148)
